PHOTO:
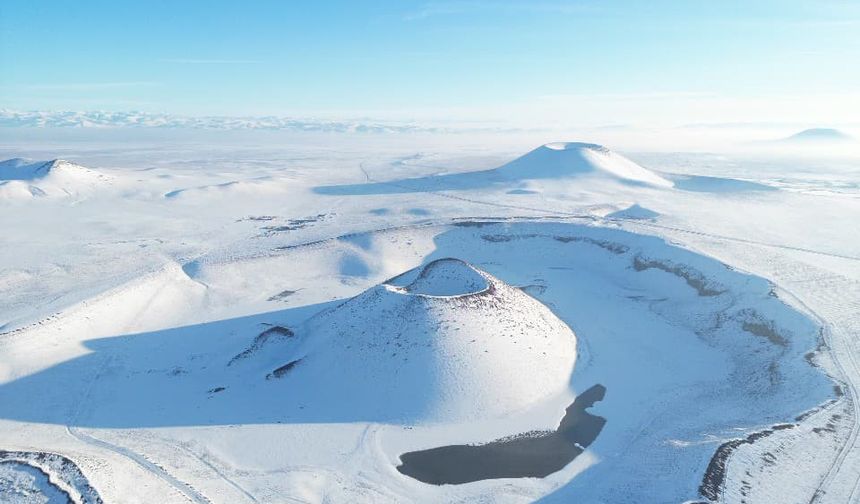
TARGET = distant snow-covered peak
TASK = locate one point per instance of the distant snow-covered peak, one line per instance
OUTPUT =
(97, 119)
(572, 159)
(819, 135)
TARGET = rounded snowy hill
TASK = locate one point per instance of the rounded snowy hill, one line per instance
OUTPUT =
(819, 135)
(569, 159)
(443, 342)
(24, 179)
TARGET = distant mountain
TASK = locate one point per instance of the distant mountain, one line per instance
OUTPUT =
(74, 119)
(569, 159)
(556, 165)
(814, 135)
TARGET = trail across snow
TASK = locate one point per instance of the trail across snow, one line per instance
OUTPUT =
(841, 340)
(184, 489)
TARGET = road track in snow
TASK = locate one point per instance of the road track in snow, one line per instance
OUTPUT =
(184, 489)
(219, 472)
(844, 472)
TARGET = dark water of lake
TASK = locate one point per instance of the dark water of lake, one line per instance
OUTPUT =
(526, 456)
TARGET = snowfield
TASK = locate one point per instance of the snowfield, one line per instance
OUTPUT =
(286, 321)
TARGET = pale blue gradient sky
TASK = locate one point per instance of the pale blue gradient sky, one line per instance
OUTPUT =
(515, 61)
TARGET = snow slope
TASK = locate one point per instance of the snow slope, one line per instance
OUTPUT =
(563, 168)
(21, 179)
(455, 344)
(572, 159)
(818, 135)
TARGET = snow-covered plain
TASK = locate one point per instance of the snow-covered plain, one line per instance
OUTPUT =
(279, 320)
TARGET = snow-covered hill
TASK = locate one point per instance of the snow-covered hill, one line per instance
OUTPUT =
(562, 168)
(21, 179)
(443, 342)
(572, 159)
(818, 135)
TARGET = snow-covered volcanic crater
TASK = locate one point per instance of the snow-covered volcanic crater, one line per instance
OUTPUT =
(443, 342)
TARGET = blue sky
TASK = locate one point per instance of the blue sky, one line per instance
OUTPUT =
(606, 61)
